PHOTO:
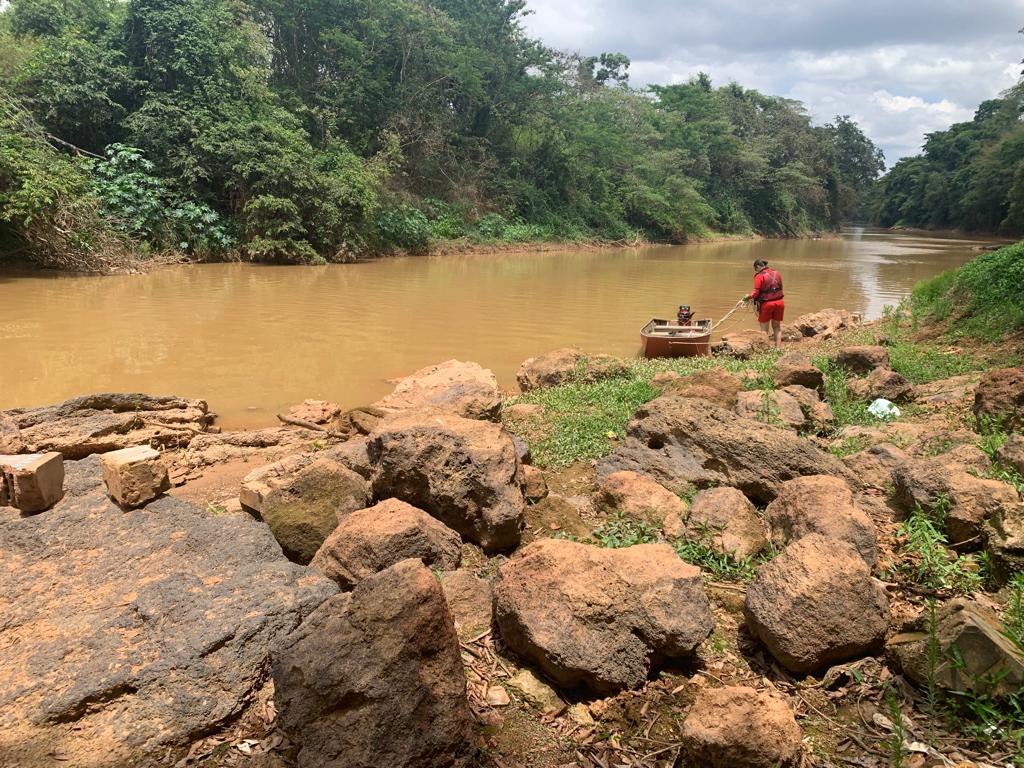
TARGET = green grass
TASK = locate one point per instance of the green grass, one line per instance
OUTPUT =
(983, 297)
(845, 407)
(924, 363)
(933, 566)
(580, 415)
(720, 566)
(621, 531)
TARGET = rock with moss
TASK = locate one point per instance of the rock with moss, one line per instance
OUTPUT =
(566, 365)
(304, 509)
(999, 399)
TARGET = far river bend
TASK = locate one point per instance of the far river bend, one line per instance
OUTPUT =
(254, 339)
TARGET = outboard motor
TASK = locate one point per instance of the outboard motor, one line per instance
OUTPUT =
(685, 315)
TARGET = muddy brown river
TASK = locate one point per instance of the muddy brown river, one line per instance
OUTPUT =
(253, 340)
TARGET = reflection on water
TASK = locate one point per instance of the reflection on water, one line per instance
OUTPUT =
(254, 339)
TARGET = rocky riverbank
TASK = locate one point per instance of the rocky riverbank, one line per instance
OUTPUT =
(724, 561)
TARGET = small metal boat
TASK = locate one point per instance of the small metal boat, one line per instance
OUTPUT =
(661, 338)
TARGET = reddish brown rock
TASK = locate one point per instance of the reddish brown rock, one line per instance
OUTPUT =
(462, 471)
(742, 344)
(1004, 541)
(1011, 453)
(862, 359)
(727, 521)
(134, 476)
(10, 436)
(716, 385)
(775, 407)
(821, 504)
(973, 651)
(872, 467)
(737, 727)
(303, 509)
(682, 443)
(31, 482)
(471, 601)
(465, 389)
(562, 366)
(890, 385)
(600, 617)
(826, 323)
(967, 501)
(369, 540)
(999, 399)
(816, 604)
(108, 422)
(315, 411)
(639, 496)
(664, 378)
(535, 487)
(795, 368)
(374, 677)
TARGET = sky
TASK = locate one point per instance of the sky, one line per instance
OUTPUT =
(900, 68)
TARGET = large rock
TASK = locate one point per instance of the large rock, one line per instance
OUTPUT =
(821, 504)
(795, 368)
(816, 604)
(463, 472)
(31, 482)
(134, 476)
(882, 382)
(370, 540)
(681, 442)
(726, 520)
(826, 323)
(562, 366)
(971, 651)
(1004, 541)
(640, 496)
(738, 727)
(210, 448)
(10, 436)
(771, 407)
(1011, 453)
(999, 399)
(123, 634)
(108, 422)
(862, 359)
(304, 509)
(600, 617)
(715, 385)
(374, 678)
(465, 389)
(944, 489)
(944, 391)
(742, 344)
(873, 466)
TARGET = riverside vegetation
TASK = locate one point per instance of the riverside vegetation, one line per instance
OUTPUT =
(808, 585)
(259, 130)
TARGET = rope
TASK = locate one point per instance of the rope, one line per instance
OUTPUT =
(729, 314)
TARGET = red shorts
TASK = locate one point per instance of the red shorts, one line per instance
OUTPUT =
(771, 310)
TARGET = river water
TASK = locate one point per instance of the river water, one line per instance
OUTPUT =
(253, 339)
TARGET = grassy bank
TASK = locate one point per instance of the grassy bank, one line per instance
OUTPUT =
(983, 299)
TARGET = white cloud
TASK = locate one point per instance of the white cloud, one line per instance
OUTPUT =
(901, 69)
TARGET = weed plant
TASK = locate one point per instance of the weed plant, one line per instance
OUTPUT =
(720, 566)
(846, 408)
(928, 548)
(621, 531)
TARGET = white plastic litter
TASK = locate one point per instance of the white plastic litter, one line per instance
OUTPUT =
(883, 409)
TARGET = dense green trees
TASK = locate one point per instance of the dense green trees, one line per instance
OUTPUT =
(325, 129)
(969, 177)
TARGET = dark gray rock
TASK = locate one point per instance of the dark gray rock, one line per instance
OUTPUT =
(135, 631)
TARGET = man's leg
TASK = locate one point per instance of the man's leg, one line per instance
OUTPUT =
(765, 327)
(777, 333)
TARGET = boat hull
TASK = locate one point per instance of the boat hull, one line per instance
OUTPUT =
(660, 338)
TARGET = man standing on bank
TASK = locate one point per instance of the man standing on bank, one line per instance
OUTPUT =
(767, 297)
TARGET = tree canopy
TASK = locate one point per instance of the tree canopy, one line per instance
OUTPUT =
(326, 129)
(968, 177)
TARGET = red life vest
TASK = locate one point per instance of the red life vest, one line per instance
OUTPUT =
(770, 286)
